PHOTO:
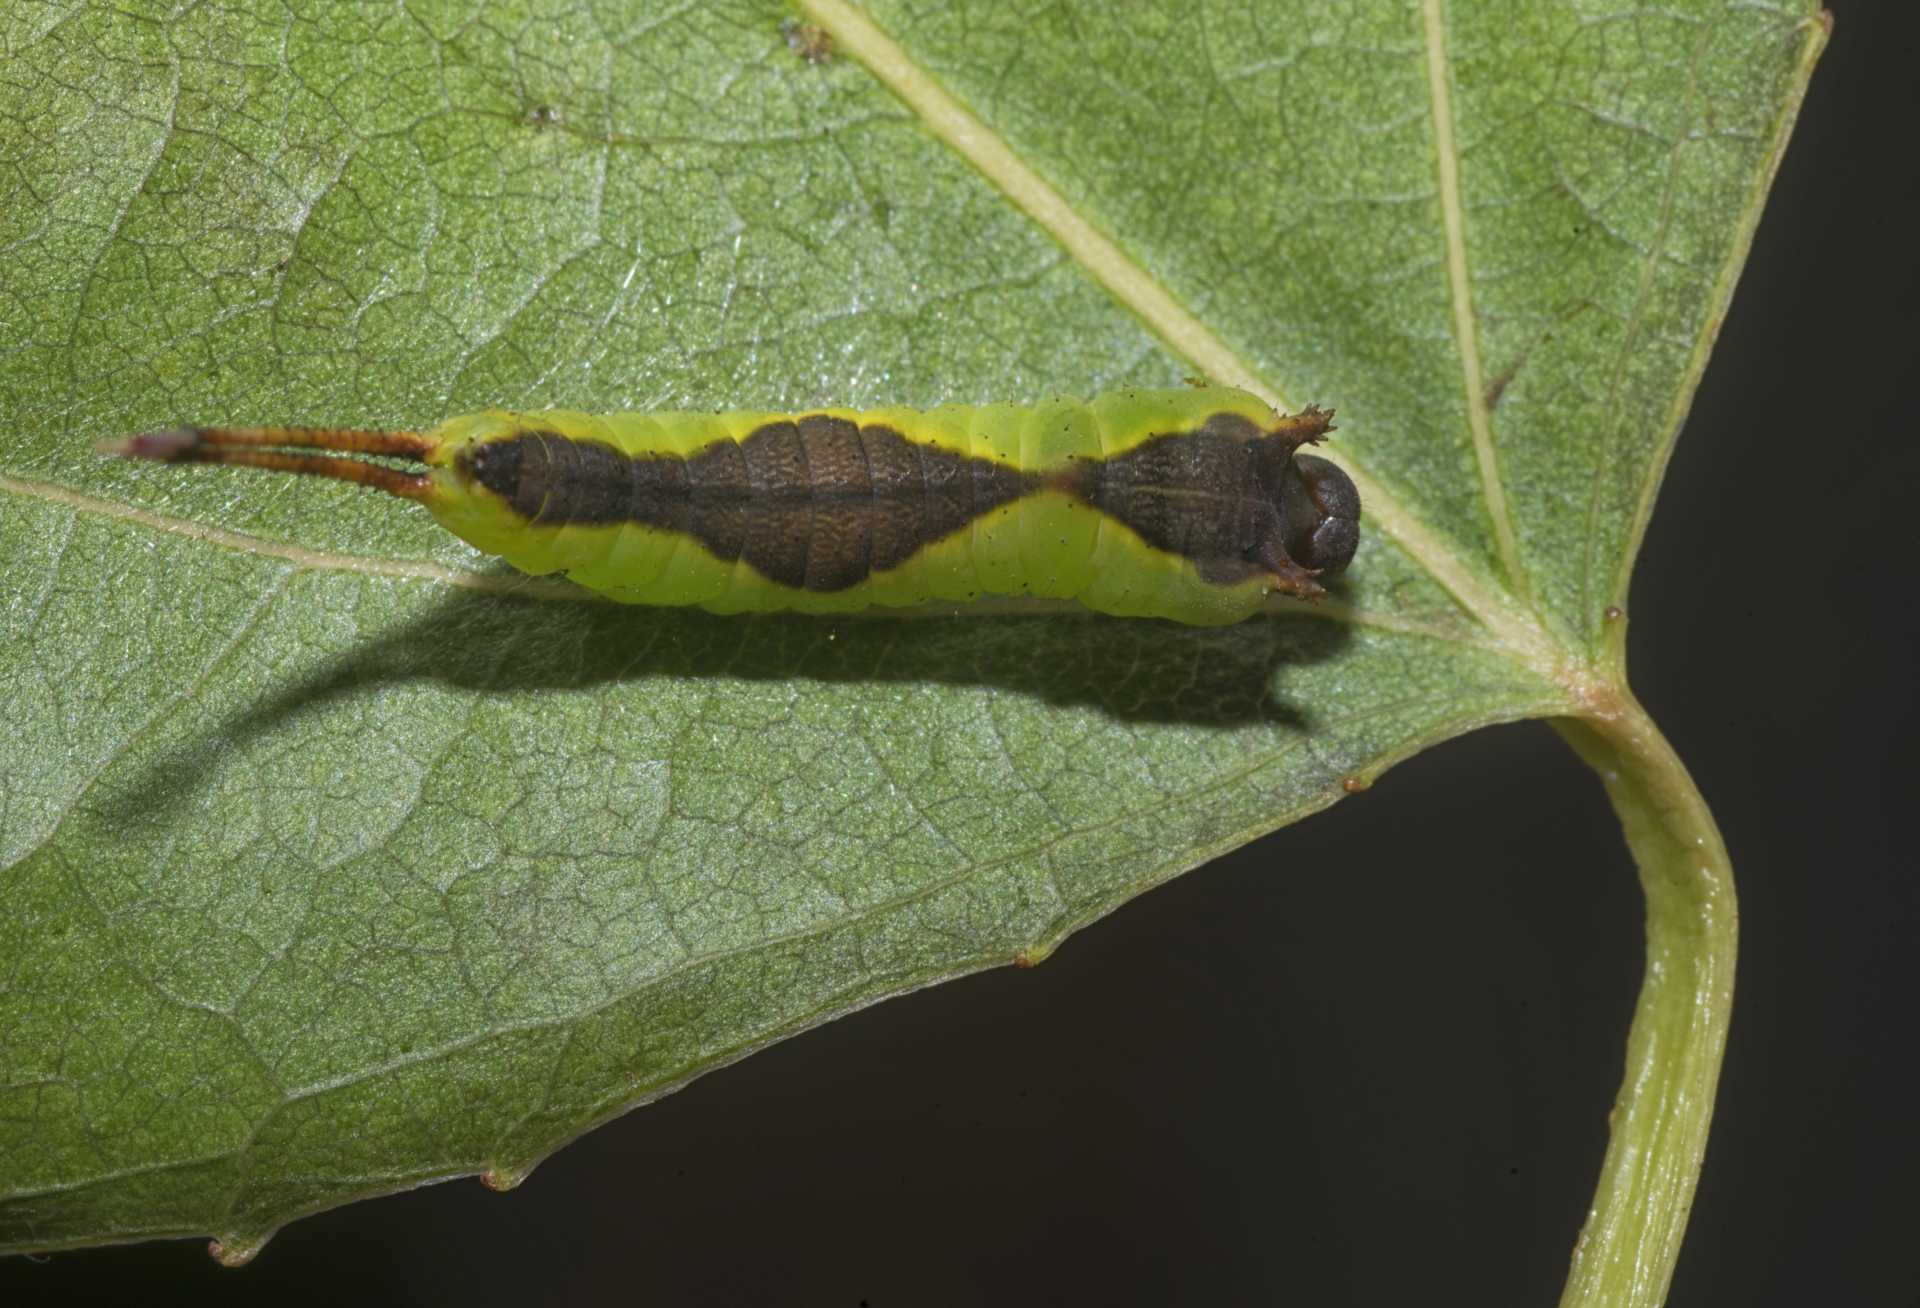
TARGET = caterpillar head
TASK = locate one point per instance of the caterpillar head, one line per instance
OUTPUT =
(1321, 508)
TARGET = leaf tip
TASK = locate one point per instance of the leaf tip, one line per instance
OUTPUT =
(237, 1250)
(502, 1178)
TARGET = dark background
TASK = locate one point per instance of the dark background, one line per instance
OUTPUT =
(1388, 1082)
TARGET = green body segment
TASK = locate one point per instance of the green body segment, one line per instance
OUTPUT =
(1043, 542)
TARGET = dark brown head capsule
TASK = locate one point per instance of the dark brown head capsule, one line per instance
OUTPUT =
(1313, 524)
(1323, 515)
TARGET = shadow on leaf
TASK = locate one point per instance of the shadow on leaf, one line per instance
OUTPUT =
(1130, 670)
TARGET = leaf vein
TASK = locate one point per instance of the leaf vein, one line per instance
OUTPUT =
(1466, 330)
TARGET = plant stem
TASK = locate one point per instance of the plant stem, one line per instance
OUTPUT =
(1626, 1252)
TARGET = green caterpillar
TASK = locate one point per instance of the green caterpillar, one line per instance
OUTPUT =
(1183, 504)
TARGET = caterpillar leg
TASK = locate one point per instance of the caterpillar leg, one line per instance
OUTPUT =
(1288, 577)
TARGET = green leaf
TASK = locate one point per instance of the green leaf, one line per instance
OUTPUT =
(334, 860)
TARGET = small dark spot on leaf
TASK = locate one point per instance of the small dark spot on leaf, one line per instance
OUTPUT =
(1498, 386)
(810, 41)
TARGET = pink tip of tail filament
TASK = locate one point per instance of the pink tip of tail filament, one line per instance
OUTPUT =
(160, 446)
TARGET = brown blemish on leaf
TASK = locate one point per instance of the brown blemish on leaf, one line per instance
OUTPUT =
(810, 41)
(1497, 387)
